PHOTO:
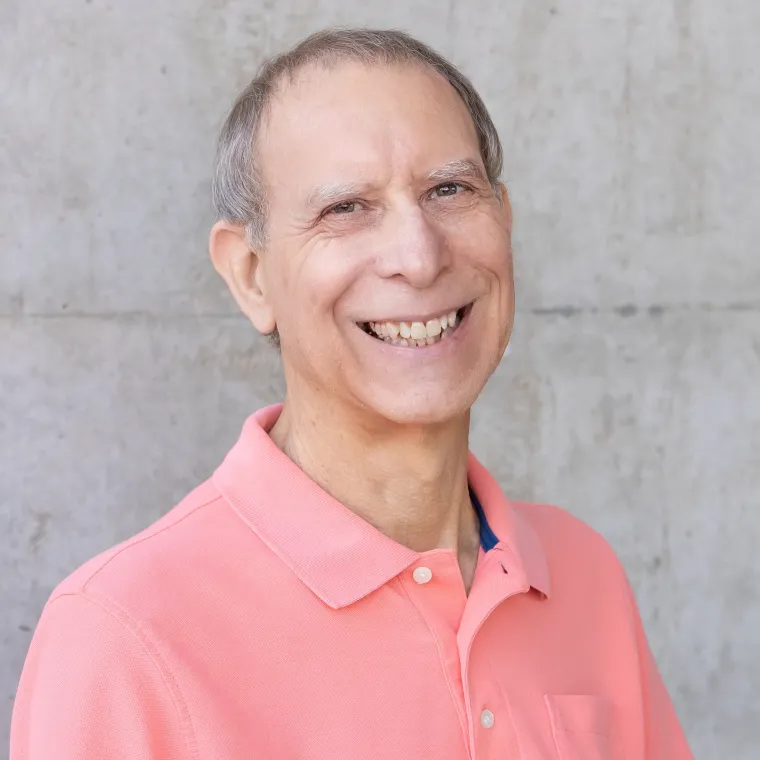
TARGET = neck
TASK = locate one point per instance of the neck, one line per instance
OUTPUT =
(409, 482)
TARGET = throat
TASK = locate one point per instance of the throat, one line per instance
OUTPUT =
(410, 484)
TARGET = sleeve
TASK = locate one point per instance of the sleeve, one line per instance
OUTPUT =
(665, 739)
(92, 689)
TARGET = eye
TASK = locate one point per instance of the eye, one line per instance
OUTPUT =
(448, 189)
(344, 207)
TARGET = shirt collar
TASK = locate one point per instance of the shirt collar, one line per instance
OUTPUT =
(336, 553)
(516, 536)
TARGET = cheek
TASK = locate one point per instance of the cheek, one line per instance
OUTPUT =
(483, 233)
(498, 254)
(489, 249)
(320, 284)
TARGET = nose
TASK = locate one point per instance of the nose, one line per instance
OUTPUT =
(412, 248)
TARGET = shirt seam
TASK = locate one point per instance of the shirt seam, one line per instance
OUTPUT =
(135, 541)
(118, 612)
(137, 632)
(463, 722)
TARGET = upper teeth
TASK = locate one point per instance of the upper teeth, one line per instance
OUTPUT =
(415, 330)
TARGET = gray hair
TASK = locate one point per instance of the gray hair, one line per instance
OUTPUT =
(237, 188)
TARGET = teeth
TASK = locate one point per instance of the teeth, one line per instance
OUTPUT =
(416, 333)
(433, 328)
(418, 330)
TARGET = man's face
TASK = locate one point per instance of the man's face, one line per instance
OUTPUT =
(388, 267)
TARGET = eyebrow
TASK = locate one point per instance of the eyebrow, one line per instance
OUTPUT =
(333, 192)
(464, 168)
(330, 193)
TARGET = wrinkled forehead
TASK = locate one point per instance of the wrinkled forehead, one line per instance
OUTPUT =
(355, 119)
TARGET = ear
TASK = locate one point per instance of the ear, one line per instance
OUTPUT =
(241, 269)
(506, 205)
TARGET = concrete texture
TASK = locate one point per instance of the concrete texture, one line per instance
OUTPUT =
(631, 395)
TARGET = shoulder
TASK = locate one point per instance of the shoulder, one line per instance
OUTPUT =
(100, 630)
(120, 569)
(572, 547)
(554, 523)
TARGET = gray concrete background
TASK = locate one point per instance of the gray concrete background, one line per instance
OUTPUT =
(631, 395)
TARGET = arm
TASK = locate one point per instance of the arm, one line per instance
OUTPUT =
(92, 689)
(665, 739)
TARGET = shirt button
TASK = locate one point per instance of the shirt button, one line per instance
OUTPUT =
(486, 719)
(422, 574)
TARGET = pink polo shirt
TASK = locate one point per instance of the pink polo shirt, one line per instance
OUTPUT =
(260, 618)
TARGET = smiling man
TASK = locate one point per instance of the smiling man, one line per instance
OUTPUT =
(351, 582)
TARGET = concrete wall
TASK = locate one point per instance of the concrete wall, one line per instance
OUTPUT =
(631, 395)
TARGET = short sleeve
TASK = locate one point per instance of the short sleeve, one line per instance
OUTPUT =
(665, 738)
(92, 689)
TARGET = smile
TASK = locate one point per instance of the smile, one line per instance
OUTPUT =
(417, 334)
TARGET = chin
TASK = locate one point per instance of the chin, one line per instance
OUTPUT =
(422, 409)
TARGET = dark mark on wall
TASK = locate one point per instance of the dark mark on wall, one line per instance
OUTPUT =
(559, 311)
(654, 310)
(40, 530)
(627, 310)
(746, 306)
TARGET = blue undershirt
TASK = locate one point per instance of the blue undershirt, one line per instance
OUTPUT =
(488, 538)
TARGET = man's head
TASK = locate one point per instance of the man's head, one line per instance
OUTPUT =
(358, 195)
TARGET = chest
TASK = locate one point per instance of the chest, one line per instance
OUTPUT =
(406, 673)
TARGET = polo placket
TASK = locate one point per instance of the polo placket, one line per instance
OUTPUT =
(492, 732)
(434, 585)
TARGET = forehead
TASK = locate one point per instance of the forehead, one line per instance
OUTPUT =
(357, 119)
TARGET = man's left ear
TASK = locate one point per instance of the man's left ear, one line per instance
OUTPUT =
(241, 269)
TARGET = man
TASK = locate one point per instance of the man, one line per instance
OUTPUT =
(351, 582)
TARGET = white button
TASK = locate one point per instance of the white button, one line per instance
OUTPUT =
(486, 719)
(422, 574)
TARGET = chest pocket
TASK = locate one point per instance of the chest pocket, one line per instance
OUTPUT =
(581, 726)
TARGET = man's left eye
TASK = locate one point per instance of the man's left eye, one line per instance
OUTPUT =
(450, 188)
(345, 207)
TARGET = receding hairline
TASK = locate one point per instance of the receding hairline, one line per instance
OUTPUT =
(238, 191)
(290, 77)
(456, 168)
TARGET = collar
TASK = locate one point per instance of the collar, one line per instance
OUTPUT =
(336, 553)
(517, 538)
